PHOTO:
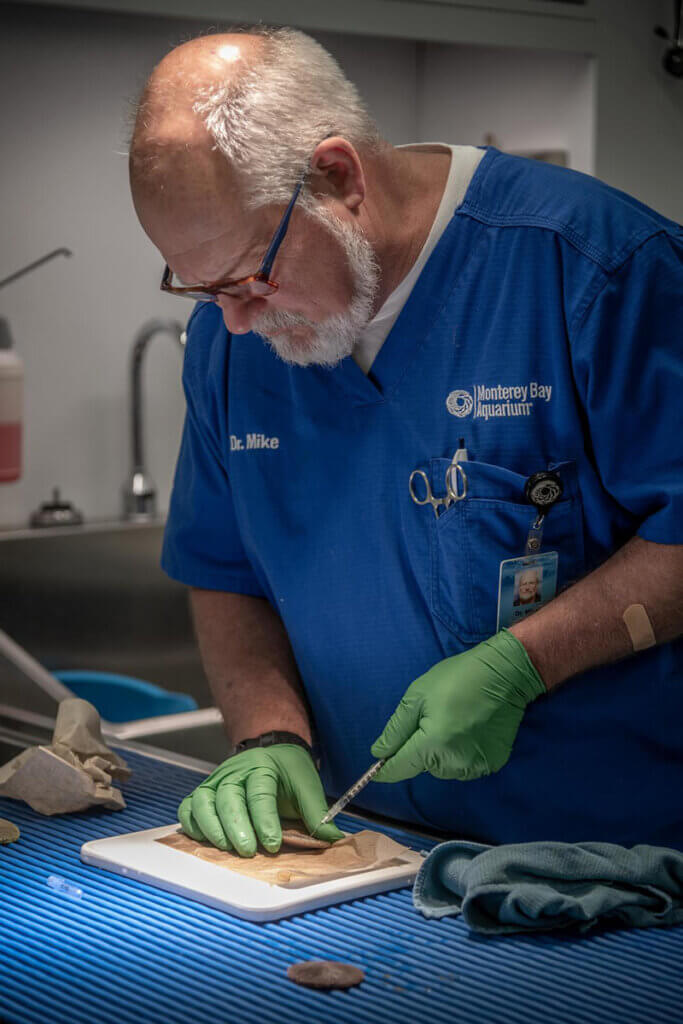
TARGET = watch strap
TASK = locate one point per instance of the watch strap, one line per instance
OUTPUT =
(269, 739)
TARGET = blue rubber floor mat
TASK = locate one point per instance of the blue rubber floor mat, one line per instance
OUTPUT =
(102, 949)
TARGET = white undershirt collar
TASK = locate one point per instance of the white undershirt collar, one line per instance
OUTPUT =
(464, 162)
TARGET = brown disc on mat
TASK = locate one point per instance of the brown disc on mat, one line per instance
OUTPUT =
(9, 833)
(325, 974)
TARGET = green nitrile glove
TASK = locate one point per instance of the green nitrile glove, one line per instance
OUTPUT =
(459, 720)
(244, 798)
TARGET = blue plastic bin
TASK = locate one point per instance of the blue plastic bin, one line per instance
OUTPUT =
(124, 698)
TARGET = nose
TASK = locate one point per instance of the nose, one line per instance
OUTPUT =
(239, 313)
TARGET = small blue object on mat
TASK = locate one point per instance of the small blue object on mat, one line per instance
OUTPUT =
(124, 698)
(526, 887)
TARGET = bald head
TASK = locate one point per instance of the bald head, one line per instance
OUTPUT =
(260, 100)
(166, 114)
(173, 156)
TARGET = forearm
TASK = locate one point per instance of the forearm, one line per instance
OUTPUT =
(584, 626)
(249, 663)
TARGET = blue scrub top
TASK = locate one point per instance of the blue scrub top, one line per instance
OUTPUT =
(545, 330)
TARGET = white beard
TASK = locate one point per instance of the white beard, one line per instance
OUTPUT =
(335, 337)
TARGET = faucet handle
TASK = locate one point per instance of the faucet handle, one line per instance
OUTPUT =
(139, 497)
(56, 513)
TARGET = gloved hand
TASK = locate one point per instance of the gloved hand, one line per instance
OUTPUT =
(244, 798)
(459, 720)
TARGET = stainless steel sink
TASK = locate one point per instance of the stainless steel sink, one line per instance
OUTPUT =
(94, 597)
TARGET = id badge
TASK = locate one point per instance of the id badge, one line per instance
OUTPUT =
(525, 585)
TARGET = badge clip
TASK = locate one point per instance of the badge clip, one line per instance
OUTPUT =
(542, 490)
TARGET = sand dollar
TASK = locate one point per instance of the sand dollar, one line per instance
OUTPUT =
(325, 974)
(9, 833)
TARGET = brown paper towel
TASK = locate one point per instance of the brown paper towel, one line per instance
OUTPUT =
(351, 855)
(73, 773)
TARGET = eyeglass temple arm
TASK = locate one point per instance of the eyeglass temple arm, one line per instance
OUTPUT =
(269, 258)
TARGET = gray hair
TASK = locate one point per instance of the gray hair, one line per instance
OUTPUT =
(269, 119)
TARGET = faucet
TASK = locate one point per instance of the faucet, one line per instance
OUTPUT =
(139, 492)
(36, 263)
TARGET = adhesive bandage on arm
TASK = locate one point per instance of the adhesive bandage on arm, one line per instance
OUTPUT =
(639, 627)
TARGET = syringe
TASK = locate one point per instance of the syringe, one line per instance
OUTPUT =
(350, 793)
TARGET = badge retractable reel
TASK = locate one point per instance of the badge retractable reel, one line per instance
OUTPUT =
(542, 490)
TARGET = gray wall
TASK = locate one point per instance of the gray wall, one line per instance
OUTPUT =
(469, 92)
(639, 116)
(71, 77)
(67, 78)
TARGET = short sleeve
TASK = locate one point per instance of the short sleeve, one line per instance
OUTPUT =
(202, 545)
(628, 361)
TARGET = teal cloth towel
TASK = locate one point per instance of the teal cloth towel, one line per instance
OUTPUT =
(526, 887)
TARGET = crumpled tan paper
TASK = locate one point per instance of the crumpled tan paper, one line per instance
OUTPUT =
(73, 773)
(293, 869)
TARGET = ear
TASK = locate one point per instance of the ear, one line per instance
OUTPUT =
(337, 166)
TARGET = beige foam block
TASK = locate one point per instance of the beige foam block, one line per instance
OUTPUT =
(363, 851)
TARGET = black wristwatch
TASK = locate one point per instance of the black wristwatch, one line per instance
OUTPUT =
(269, 739)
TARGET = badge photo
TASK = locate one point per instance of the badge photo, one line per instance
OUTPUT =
(525, 585)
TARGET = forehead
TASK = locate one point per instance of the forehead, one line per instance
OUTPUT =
(199, 233)
(188, 194)
(202, 247)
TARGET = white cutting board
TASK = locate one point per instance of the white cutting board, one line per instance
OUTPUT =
(137, 855)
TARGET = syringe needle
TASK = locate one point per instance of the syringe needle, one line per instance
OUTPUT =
(348, 796)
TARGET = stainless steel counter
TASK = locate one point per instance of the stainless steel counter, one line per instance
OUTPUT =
(94, 597)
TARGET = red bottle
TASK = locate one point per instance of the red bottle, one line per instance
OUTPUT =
(11, 403)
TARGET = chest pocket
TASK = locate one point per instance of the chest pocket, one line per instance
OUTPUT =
(471, 538)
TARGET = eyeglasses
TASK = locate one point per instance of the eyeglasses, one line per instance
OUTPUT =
(252, 286)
